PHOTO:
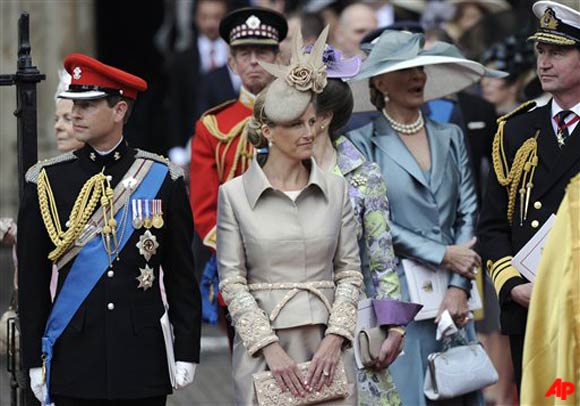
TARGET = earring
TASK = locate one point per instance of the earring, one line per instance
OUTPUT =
(386, 97)
(270, 143)
(322, 127)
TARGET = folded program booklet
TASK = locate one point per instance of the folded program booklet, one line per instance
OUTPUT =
(528, 258)
(428, 286)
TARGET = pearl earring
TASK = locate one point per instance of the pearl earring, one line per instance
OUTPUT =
(322, 127)
(270, 143)
(386, 97)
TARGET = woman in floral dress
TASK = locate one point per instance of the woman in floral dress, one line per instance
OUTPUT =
(367, 192)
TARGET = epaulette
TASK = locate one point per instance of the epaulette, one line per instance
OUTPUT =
(219, 107)
(174, 170)
(33, 172)
(522, 108)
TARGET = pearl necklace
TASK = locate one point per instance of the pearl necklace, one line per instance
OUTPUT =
(405, 129)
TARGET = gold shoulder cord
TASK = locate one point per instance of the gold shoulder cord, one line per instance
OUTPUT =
(523, 166)
(94, 190)
(244, 150)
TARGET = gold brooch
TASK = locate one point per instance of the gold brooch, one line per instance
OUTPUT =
(147, 245)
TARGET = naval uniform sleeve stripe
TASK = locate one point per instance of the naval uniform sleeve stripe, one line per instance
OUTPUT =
(504, 276)
(500, 263)
(499, 269)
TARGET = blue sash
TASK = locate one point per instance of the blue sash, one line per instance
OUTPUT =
(88, 267)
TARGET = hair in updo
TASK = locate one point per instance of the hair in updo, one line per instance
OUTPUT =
(256, 121)
(337, 99)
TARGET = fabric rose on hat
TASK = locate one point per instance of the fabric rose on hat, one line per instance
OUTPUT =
(307, 77)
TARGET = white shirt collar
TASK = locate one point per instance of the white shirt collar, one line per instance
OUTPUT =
(204, 46)
(103, 153)
(556, 108)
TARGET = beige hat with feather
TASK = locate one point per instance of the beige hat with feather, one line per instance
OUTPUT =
(288, 96)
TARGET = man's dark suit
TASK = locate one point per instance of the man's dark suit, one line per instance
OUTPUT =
(217, 88)
(184, 95)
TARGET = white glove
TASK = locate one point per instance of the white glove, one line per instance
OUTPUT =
(36, 384)
(184, 373)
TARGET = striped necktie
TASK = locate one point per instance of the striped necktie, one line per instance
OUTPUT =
(563, 132)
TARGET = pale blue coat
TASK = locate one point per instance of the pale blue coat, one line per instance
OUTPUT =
(427, 215)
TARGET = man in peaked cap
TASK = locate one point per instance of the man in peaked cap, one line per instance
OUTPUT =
(108, 217)
(219, 150)
(535, 154)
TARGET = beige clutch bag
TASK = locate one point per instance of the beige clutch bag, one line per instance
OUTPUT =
(268, 391)
(369, 343)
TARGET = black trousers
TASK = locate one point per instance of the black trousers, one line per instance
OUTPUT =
(66, 401)
(517, 348)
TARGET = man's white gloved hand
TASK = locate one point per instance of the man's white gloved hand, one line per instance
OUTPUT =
(184, 373)
(36, 384)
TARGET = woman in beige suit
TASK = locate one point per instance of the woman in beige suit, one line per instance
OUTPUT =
(287, 249)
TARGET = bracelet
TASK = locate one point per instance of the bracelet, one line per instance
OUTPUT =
(399, 330)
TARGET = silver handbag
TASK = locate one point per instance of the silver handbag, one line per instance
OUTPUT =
(457, 371)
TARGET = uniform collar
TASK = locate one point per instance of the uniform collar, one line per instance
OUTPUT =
(348, 158)
(108, 159)
(256, 182)
(247, 98)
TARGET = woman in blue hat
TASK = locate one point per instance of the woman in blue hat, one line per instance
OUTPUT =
(430, 188)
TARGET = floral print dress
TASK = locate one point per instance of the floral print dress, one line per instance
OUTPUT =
(368, 196)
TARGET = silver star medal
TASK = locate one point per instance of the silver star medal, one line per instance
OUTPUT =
(147, 245)
(146, 278)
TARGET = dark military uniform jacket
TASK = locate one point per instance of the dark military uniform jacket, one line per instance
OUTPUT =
(113, 347)
(499, 240)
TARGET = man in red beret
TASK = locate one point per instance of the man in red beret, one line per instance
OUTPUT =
(219, 150)
(108, 216)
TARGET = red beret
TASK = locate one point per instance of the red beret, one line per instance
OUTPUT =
(92, 79)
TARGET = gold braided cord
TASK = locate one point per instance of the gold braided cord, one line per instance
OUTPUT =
(244, 149)
(524, 162)
(552, 38)
(82, 210)
(523, 166)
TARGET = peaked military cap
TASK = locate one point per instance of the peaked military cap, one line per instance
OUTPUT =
(253, 26)
(93, 80)
(559, 24)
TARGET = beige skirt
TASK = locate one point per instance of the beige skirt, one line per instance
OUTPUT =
(300, 343)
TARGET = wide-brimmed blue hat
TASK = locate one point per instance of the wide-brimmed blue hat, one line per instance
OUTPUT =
(447, 70)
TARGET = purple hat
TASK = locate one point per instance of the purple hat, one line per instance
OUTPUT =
(336, 66)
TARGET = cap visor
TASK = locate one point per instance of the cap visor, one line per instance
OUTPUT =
(90, 95)
(553, 39)
(253, 41)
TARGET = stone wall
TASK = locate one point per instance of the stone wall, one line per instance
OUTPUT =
(57, 28)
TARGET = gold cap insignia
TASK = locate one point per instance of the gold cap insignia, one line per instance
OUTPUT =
(548, 20)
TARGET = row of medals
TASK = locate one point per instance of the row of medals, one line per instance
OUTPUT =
(147, 214)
